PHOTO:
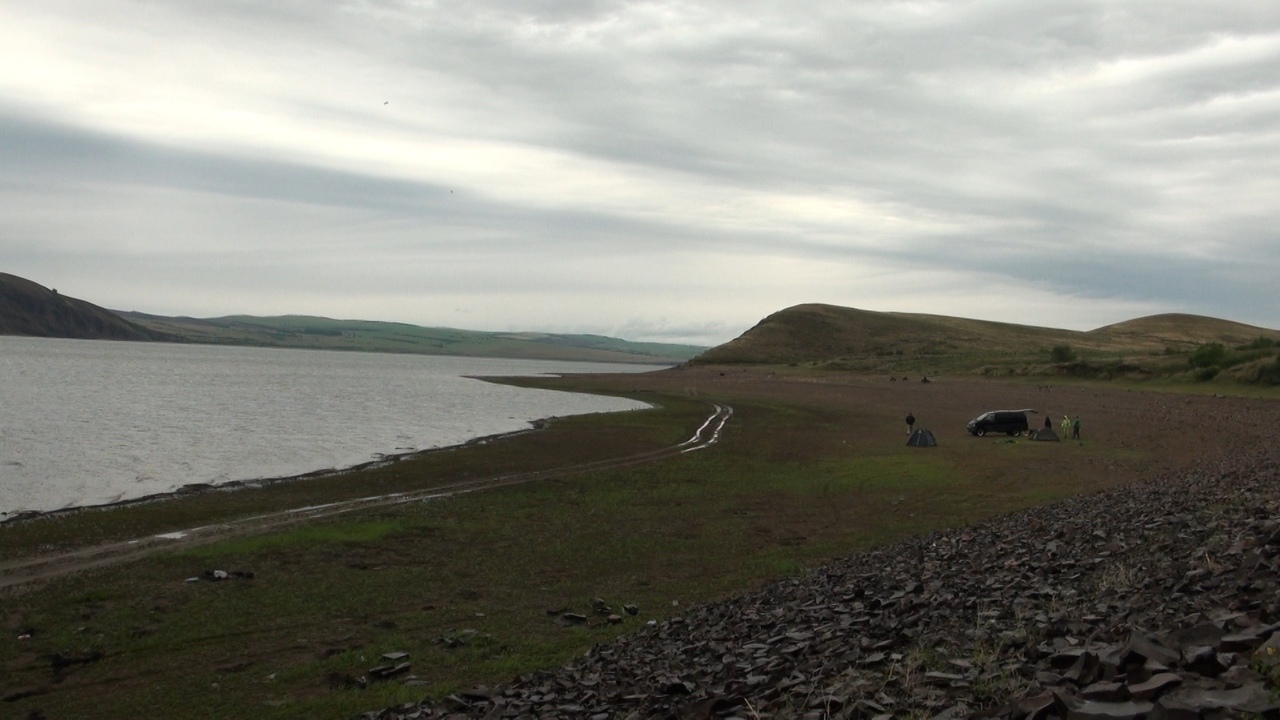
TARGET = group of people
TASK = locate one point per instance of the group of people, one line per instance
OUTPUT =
(1068, 426)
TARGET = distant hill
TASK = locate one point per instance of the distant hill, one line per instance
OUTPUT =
(304, 331)
(828, 336)
(1173, 330)
(27, 308)
(808, 333)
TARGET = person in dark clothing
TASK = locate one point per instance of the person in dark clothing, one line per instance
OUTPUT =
(911, 421)
(1075, 428)
(1048, 424)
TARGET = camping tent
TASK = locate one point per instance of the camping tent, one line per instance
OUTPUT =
(922, 438)
(1044, 434)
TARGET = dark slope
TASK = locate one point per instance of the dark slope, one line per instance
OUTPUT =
(27, 308)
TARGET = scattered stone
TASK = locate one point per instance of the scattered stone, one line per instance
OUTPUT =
(1155, 686)
(218, 575)
(384, 672)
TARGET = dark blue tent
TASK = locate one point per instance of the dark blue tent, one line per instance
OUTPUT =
(922, 438)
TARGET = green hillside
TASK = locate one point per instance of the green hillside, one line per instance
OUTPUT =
(303, 331)
(1171, 346)
(27, 308)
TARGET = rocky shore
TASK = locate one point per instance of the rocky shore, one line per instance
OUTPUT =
(1158, 599)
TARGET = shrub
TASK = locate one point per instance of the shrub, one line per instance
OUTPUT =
(1269, 374)
(1062, 354)
(1209, 355)
(1261, 343)
(1207, 373)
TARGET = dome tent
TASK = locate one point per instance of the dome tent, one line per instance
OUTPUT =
(922, 438)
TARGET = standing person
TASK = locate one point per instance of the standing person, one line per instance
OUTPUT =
(911, 421)
(1048, 424)
(1075, 428)
(1066, 425)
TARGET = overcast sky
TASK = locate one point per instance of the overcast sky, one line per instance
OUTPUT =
(670, 171)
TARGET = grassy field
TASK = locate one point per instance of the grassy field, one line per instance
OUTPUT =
(473, 586)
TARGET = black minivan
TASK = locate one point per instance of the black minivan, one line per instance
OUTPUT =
(1005, 421)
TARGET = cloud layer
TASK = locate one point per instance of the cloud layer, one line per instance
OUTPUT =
(652, 170)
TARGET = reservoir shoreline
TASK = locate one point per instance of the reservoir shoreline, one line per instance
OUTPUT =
(90, 423)
(192, 489)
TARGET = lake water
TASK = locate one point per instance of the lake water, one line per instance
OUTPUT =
(89, 422)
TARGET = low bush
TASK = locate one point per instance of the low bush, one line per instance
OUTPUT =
(1208, 355)
(1062, 354)
(1103, 369)
(1261, 343)
(1269, 374)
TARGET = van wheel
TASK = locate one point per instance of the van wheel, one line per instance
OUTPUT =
(980, 432)
(1014, 433)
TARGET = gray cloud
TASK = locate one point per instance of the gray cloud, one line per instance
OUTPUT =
(665, 170)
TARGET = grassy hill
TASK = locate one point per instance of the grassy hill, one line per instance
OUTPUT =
(27, 308)
(1174, 346)
(302, 331)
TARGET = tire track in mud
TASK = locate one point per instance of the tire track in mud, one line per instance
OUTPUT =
(30, 570)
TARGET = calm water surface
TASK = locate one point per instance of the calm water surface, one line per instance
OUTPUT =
(86, 422)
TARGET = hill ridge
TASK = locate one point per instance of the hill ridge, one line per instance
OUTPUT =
(27, 308)
(835, 337)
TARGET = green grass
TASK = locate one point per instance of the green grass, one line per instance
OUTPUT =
(308, 536)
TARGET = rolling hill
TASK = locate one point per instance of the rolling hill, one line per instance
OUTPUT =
(27, 308)
(832, 337)
(304, 331)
